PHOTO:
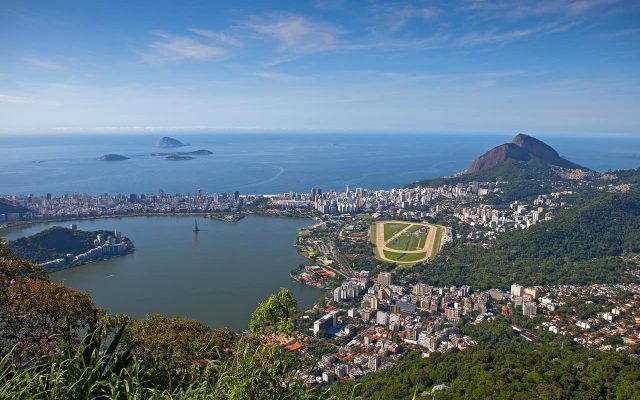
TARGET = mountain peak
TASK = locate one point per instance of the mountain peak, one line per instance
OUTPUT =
(522, 148)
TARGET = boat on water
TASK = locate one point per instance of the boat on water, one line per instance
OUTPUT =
(195, 227)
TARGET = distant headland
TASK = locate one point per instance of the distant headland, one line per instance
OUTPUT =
(169, 142)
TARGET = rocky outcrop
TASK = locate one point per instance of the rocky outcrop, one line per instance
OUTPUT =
(521, 148)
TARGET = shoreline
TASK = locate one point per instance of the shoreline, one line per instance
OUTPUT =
(213, 216)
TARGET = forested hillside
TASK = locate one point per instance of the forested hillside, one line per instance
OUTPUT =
(53, 243)
(580, 245)
(510, 370)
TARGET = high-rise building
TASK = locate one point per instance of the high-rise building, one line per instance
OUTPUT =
(517, 290)
(529, 308)
(384, 279)
(342, 370)
(382, 318)
(374, 362)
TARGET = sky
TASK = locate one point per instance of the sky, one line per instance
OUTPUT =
(565, 67)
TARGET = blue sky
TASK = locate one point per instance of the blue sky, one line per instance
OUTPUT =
(547, 66)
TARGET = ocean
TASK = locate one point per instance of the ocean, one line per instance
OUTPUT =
(264, 163)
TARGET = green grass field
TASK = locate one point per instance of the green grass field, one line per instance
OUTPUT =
(404, 257)
(373, 233)
(392, 229)
(410, 239)
(438, 241)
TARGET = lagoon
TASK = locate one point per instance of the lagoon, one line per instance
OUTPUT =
(217, 276)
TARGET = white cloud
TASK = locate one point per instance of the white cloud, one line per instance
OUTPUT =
(43, 63)
(497, 37)
(180, 47)
(218, 37)
(397, 16)
(519, 9)
(297, 34)
(8, 99)
(276, 76)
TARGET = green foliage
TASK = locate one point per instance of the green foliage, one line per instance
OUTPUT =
(580, 245)
(176, 348)
(533, 170)
(37, 318)
(97, 370)
(276, 315)
(253, 371)
(510, 370)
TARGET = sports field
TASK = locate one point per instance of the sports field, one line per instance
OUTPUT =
(405, 242)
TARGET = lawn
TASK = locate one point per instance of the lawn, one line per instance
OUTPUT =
(392, 229)
(404, 257)
(410, 240)
(438, 241)
(373, 233)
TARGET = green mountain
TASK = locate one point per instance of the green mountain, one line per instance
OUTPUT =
(53, 243)
(581, 245)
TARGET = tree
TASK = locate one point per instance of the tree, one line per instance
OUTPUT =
(276, 315)
(175, 348)
(41, 319)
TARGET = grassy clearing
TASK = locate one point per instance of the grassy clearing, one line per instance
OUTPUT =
(392, 229)
(409, 240)
(423, 240)
(438, 242)
(415, 241)
(400, 243)
(373, 233)
(404, 257)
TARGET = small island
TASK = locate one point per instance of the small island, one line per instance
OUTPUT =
(185, 153)
(169, 142)
(113, 157)
(196, 153)
(177, 157)
(59, 248)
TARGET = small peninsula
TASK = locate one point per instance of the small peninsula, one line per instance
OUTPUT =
(113, 157)
(169, 142)
(59, 248)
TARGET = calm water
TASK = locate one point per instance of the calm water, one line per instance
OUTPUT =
(217, 276)
(264, 163)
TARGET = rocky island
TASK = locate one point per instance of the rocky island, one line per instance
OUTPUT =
(169, 142)
(113, 157)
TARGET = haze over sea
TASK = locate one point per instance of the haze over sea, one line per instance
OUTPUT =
(264, 163)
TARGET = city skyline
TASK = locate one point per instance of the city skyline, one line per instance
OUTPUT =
(552, 67)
